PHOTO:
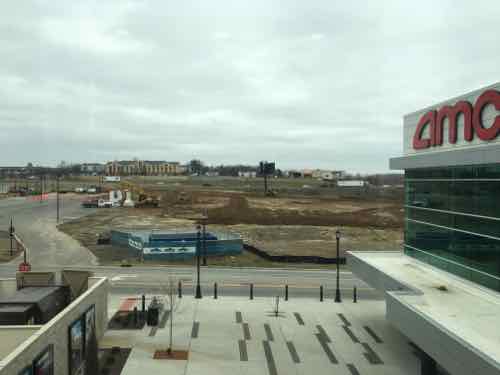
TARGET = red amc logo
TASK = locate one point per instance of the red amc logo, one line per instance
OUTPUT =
(473, 123)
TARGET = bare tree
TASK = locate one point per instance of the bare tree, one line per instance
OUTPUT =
(171, 300)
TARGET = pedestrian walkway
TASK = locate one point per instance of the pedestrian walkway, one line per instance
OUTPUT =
(235, 335)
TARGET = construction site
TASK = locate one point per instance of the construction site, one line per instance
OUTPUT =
(293, 224)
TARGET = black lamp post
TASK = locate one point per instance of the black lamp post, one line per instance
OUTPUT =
(337, 290)
(11, 235)
(204, 224)
(198, 287)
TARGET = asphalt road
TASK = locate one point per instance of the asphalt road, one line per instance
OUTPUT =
(35, 222)
(51, 250)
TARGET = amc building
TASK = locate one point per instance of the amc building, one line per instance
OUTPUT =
(442, 291)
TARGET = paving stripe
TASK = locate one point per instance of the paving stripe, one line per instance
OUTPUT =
(371, 355)
(194, 331)
(370, 331)
(242, 344)
(246, 332)
(344, 319)
(153, 331)
(269, 333)
(353, 370)
(239, 317)
(299, 318)
(323, 333)
(326, 348)
(350, 334)
(293, 352)
(164, 319)
(271, 366)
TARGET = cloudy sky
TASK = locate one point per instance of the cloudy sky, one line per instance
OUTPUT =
(305, 83)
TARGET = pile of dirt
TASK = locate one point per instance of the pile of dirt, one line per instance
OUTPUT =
(238, 211)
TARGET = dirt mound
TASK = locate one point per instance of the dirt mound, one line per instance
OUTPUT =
(238, 203)
(238, 211)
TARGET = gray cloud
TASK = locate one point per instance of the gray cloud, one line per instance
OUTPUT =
(309, 84)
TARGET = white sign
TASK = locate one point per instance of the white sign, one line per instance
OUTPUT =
(170, 250)
(135, 244)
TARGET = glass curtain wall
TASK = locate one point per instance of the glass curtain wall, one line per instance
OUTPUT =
(453, 220)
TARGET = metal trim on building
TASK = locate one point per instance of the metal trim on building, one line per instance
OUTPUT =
(449, 158)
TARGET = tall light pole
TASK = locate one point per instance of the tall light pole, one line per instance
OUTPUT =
(204, 224)
(198, 287)
(337, 290)
(11, 235)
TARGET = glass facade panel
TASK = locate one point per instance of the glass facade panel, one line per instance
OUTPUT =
(453, 220)
(477, 197)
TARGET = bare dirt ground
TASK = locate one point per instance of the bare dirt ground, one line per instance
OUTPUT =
(293, 226)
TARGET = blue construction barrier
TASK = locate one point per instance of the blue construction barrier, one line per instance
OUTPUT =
(177, 245)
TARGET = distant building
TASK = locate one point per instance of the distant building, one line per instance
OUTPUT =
(92, 168)
(247, 174)
(143, 168)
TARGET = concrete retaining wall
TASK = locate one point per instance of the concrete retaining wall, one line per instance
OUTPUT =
(55, 332)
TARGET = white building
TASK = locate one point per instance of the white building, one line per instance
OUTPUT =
(443, 292)
(60, 345)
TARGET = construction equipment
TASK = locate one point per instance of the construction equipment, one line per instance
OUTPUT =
(143, 199)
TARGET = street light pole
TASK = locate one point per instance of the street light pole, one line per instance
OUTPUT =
(11, 235)
(198, 287)
(337, 290)
(204, 223)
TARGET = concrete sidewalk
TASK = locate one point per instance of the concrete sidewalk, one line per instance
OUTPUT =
(233, 335)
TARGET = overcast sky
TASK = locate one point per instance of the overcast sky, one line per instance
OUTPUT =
(305, 83)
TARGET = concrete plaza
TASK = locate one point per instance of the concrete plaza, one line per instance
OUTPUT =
(232, 335)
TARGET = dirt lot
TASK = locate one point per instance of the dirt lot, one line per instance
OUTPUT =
(285, 225)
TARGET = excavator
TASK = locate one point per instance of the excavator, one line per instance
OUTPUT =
(143, 199)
